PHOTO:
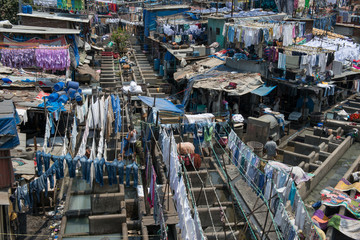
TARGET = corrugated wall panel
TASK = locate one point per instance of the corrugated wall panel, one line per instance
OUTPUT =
(6, 169)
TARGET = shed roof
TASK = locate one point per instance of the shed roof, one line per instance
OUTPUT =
(246, 82)
(38, 30)
(168, 7)
(57, 16)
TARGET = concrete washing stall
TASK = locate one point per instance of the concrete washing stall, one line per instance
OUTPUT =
(314, 152)
(103, 211)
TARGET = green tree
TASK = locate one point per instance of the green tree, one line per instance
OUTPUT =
(120, 37)
(9, 10)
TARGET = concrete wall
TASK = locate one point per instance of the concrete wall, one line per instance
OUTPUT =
(257, 130)
(109, 223)
(304, 148)
(306, 187)
(295, 159)
(106, 224)
(97, 189)
(214, 23)
(106, 203)
(315, 140)
(41, 22)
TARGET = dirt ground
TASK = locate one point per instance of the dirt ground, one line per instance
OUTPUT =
(37, 228)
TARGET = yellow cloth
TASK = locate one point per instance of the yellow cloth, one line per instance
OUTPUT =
(346, 186)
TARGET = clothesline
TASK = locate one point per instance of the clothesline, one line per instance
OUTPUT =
(203, 186)
(279, 170)
(36, 47)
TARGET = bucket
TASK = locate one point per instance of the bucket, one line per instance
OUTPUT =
(156, 64)
(78, 97)
(63, 99)
(79, 90)
(72, 92)
(257, 146)
(239, 130)
(161, 72)
(53, 97)
(72, 84)
(59, 86)
(316, 117)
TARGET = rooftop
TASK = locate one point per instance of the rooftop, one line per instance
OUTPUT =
(167, 7)
(57, 16)
(38, 30)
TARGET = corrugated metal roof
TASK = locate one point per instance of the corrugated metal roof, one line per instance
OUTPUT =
(56, 16)
(167, 7)
(38, 30)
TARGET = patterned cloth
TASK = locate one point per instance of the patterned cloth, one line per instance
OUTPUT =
(332, 197)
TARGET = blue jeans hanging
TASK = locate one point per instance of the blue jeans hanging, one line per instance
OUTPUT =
(39, 162)
(133, 166)
(71, 165)
(111, 170)
(121, 172)
(98, 165)
(59, 161)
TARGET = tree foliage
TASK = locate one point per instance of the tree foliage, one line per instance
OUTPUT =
(120, 37)
(9, 10)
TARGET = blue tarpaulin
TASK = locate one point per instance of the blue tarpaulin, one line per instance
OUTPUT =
(150, 15)
(8, 120)
(161, 104)
(263, 90)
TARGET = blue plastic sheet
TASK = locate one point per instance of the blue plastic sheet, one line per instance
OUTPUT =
(161, 104)
(263, 90)
(8, 132)
(149, 17)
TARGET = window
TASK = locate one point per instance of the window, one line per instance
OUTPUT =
(217, 31)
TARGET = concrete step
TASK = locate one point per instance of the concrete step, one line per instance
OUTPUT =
(107, 79)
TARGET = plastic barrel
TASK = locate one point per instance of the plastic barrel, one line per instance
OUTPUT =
(257, 146)
(29, 9)
(63, 99)
(59, 86)
(53, 97)
(78, 97)
(72, 84)
(24, 9)
(61, 93)
(316, 117)
(156, 64)
(161, 72)
(72, 92)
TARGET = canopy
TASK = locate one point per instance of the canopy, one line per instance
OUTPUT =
(263, 90)
(161, 104)
(8, 120)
